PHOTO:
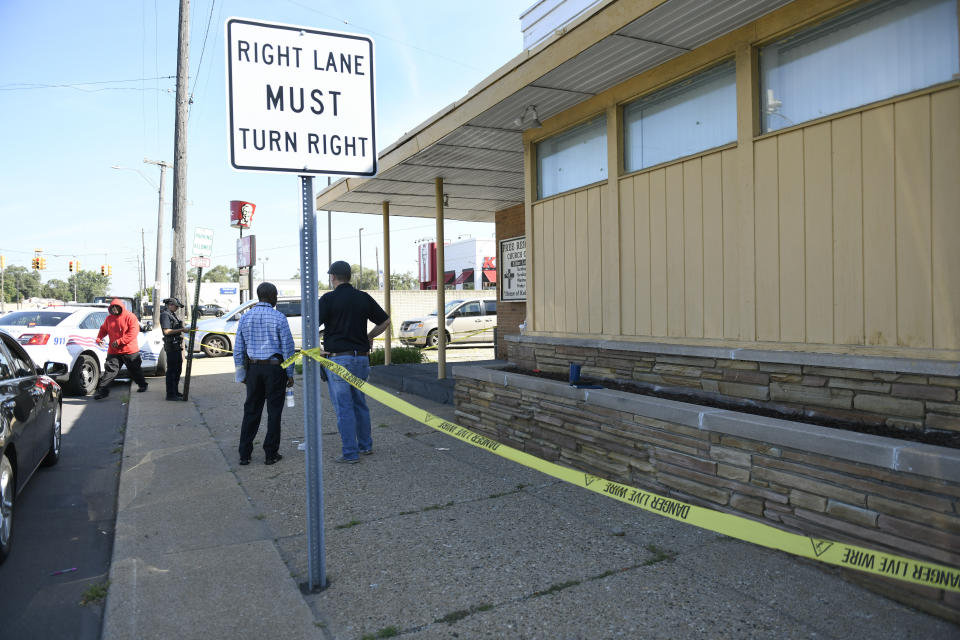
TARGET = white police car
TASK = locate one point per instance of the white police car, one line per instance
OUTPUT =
(68, 334)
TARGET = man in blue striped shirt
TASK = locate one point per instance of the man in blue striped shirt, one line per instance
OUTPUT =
(263, 342)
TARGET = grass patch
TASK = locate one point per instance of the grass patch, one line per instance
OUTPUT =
(659, 555)
(386, 632)
(450, 618)
(398, 355)
(383, 425)
(555, 588)
(95, 593)
(117, 449)
(352, 523)
(259, 516)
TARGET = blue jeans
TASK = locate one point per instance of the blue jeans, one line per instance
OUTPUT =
(353, 417)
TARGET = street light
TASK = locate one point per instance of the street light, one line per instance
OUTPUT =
(263, 268)
(158, 265)
(360, 240)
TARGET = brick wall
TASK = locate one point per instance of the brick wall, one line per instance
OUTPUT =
(510, 224)
(825, 386)
(877, 492)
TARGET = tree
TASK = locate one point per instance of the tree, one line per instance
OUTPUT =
(218, 273)
(406, 280)
(20, 283)
(367, 280)
(57, 289)
(89, 284)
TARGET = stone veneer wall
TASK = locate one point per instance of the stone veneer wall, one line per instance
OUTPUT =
(894, 392)
(881, 493)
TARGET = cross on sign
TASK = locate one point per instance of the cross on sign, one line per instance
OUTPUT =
(509, 275)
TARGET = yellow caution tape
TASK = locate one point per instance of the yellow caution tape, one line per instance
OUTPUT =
(841, 554)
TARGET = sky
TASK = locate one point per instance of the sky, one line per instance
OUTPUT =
(87, 86)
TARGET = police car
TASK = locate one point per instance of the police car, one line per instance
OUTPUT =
(68, 334)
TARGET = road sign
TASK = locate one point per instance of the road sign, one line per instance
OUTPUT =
(299, 99)
(202, 241)
(199, 261)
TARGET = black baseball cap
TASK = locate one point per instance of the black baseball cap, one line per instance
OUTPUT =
(175, 301)
(339, 268)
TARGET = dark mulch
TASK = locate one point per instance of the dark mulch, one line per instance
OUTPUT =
(864, 423)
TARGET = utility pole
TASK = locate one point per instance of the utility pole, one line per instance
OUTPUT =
(158, 268)
(178, 265)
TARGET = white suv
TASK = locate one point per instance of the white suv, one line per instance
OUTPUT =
(215, 337)
(466, 321)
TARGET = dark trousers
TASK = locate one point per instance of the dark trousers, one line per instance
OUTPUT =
(112, 368)
(265, 383)
(174, 368)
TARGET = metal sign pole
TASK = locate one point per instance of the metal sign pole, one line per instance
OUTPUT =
(312, 399)
(193, 334)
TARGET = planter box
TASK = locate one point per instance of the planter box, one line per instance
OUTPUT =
(882, 493)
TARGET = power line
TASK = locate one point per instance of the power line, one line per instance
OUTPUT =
(28, 86)
(203, 48)
(383, 35)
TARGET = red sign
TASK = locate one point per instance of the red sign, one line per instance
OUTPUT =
(241, 214)
(200, 261)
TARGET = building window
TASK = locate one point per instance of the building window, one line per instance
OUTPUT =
(877, 51)
(572, 159)
(686, 118)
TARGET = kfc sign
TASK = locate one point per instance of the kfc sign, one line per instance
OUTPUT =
(241, 214)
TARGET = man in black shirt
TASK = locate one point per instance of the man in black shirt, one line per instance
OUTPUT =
(344, 313)
(173, 329)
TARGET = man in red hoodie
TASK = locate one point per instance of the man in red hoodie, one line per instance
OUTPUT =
(122, 328)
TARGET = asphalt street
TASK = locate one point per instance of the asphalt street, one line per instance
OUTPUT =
(64, 527)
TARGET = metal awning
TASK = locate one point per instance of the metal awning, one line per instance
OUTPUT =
(475, 145)
(465, 275)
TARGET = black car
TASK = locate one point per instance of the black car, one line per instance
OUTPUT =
(211, 310)
(30, 416)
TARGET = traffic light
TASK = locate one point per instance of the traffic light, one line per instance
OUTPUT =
(70, 266)
(43, 263)
(78, 266)
(35, 264)
(109, 270)
(103, 270)
(3, 262)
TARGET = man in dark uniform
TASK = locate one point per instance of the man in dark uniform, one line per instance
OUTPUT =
(173, 330)
(344, 313)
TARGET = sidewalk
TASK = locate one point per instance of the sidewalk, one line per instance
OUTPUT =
(428, 538)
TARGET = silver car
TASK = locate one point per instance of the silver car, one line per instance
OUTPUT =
(466, 321)
(215, 337)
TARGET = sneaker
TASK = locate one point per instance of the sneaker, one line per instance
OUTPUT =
(142, 389)
(100, 395)
(177, 397)
(366, 452)
(243, 461)
(343, 460)
(274, 459)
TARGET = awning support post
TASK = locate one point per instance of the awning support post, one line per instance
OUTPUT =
(386, 280)
(441, 290)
